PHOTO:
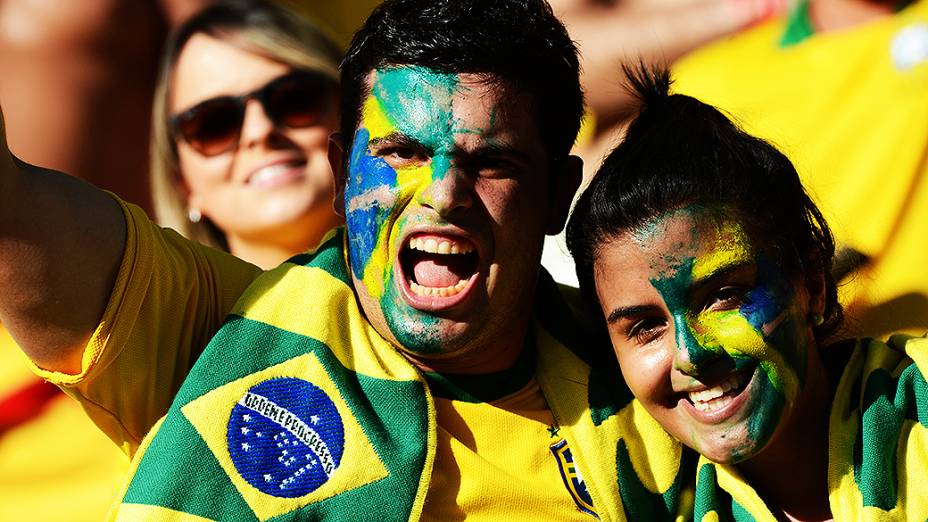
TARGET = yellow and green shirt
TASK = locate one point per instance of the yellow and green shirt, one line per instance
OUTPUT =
(295, 366)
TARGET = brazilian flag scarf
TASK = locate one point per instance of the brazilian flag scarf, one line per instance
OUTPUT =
(298, 410)
(877, 442)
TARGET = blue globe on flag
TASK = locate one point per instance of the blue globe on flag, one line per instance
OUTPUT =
(286, 437)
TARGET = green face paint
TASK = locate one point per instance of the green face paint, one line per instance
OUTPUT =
(413, 105)
(446, 197)
(417, 103)
(744, 325)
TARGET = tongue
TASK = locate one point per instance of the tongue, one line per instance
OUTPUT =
(439, 271)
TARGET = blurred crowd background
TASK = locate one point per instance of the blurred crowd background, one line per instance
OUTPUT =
(841, 86)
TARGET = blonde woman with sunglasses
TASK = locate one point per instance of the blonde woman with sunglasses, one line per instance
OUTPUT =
(246, 101)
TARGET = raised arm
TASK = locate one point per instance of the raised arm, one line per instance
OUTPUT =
(61, 242)
(612, 33)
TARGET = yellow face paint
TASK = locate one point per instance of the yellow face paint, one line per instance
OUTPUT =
(755, 324)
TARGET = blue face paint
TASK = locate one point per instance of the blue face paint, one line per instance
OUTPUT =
(763, 331)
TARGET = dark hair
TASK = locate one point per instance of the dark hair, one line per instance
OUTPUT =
(679, 151)
(520, 42)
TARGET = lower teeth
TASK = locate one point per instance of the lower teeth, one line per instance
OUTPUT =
(429, 291)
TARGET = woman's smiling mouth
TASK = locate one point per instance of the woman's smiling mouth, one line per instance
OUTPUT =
(720, 401)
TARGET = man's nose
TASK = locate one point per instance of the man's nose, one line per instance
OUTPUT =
(451, 189)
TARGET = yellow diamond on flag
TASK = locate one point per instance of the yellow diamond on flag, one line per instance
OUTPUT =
(285, 437)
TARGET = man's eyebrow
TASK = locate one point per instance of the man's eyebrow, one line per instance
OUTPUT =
(497, 149)
(630, 311)
(395, 138)
(493, 151)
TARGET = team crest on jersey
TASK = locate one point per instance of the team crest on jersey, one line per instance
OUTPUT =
(286, 437)
(573, 480)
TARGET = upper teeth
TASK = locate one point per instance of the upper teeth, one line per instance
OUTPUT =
(710, 394)
(436, 246)
(269, 172)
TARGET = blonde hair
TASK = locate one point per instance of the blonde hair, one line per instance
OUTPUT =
(255, 25)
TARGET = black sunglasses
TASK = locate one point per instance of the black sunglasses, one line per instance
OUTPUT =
(293, 100)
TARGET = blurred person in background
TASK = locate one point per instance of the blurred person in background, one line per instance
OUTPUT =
(245, 104)
(613, 32)
(842, 87)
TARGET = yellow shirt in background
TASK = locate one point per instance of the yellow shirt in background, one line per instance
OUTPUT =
(57, 465)
(850, 109)
(340, 18)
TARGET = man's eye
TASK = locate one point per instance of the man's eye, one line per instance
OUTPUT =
(494, 168)
(726, 298)
(647, 330)
(402, 156)
(403, 153)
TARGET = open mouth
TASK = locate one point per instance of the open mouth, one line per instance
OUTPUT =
(722, 394)
(438, 266)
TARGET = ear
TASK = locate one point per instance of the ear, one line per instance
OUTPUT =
(567, 176)
(336, 162)
(815, 286)
(182, 189)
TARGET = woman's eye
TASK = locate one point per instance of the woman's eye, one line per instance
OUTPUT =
(726, 298)
(646, 330)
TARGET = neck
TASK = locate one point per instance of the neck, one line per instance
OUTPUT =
(265, 255)
(484, 359)
(487, 351)
(791, 474)
(835, 15)
(269, 248)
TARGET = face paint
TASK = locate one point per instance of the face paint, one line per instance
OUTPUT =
(414, 125)
(737, 326)
(418, 103)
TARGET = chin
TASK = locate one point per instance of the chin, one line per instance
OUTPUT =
(728, 447)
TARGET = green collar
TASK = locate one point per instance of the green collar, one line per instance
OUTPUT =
(799, 24)
(485, 387)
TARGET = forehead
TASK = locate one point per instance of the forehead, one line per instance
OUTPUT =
(690, 239)
(442, 109)
(208, 67)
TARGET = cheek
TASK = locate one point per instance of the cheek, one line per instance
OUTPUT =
(507, 202)
(647, 373)
(729, 332)
(203, 176)
(370, 197)
(313, 141)
(737, 336)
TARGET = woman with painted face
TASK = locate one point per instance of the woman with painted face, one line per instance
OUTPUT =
(245, 103)
(711, 266)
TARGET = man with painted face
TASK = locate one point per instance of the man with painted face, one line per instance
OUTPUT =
(417, 365)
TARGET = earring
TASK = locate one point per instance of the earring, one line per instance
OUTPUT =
(194, 215)
(818, 320)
